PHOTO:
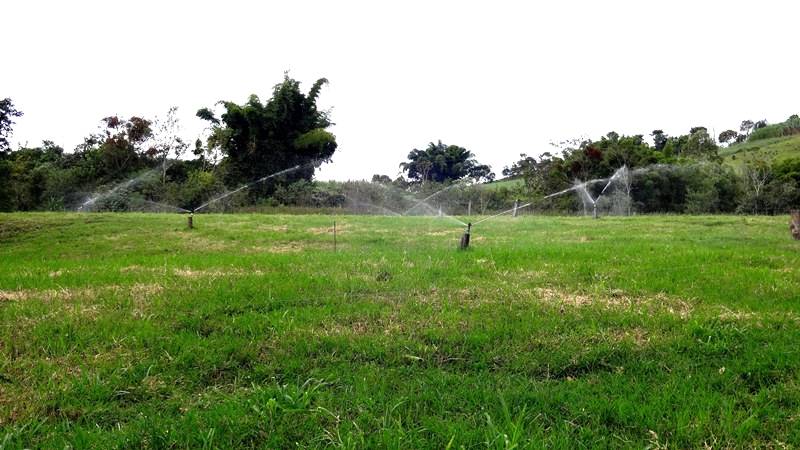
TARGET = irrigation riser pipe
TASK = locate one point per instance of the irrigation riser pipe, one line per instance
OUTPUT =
(465, 238)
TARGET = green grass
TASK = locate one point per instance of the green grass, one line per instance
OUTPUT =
(250, 331)
(779, 148)
(509, 183)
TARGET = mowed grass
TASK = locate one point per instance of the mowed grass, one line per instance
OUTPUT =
(128, 330)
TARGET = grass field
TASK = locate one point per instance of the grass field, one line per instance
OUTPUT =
(131, 331)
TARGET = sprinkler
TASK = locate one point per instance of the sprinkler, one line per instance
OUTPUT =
(465, 238)
(594, 210)
(190, 221)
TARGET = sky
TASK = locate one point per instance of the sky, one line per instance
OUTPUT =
(499, 78)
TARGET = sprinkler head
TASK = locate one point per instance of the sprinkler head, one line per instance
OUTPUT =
(190, 220)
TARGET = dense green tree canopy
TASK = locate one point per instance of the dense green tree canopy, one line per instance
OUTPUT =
(7, 114)
(728, 136)
(441, 163)
(260, 138)
(658, 188)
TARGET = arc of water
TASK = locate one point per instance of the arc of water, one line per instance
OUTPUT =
(504, 212)
(576, 187)
(164, 205)
(124, 185)
(622, 170)
(370, 205)
(423, 203)
(585, 195)
(424, 200)
(260, 180)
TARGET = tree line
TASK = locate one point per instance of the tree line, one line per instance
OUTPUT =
(677, 174)
(244, 142)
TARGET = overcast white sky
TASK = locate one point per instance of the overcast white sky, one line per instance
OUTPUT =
(497, 77)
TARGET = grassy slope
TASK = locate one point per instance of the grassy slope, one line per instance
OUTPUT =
(776, 148)
(507, 183)
(128, 330)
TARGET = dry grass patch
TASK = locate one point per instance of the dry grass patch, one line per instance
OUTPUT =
(139, 269)
(289, 247)
(138, 290)
(273, 228)
(282, 247)
(340, 229)
(638, 336)
(215, 273)
(194, 242)
(442, 233)
(615, 300)
(388, 326)
(61, 294)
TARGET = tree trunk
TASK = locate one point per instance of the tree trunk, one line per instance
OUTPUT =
(794, 224)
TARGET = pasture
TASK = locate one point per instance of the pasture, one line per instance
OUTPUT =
(130, 330)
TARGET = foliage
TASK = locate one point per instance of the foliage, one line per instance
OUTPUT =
(261, 138)
(727, 136)
(166, 140)
(442, 163)
(790, 126)
(7, 114)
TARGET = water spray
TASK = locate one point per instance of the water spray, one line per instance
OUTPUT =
(260, 180)
(465, 238)
(424, 200)
(503, 212)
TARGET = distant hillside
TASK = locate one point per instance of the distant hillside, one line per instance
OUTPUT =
(778, 148)
(508, 183)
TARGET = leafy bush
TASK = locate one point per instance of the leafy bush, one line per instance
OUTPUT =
(787, 128)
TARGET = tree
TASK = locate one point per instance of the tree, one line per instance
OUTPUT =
(519, 167)
(700, 144)
(121, 148)
(756, 172)
(746, 127)
(166, 140)
(441, 163)
(259, 139)
(381, 179)
(727, 136)
(7, 114)
(659, 139)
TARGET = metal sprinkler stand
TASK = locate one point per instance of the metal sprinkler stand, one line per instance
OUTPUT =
(465, 238)
(190, 220)
(594, 211)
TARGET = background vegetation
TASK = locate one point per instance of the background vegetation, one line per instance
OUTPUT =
(139, 164)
